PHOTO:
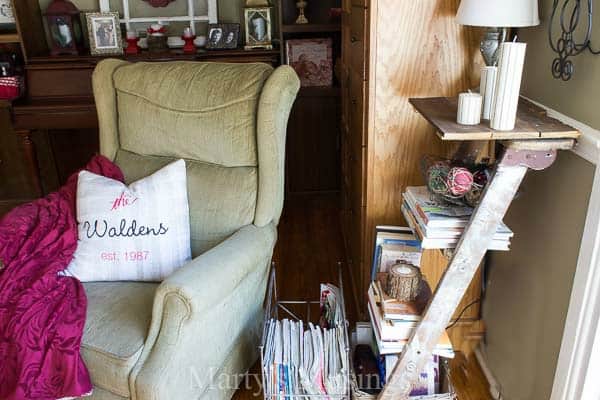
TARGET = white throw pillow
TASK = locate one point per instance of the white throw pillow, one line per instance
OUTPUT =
(135, 233)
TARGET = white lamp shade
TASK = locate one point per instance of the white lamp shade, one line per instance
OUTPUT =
(498, 13)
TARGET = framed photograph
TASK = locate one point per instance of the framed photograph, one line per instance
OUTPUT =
(6, 12)
(104, 30)
(258, 28)
(312, 60)
(223, 36)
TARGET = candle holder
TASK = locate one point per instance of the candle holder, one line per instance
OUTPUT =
(508, 86)
(469, 109)
(189, 46)
(487, 89)
(132, 43)
(301, 5)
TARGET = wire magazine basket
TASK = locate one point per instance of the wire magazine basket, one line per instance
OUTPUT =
(358, 394)
(302, 310)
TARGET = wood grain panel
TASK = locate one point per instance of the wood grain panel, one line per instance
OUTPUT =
(468, 379)
(312, 154)
(16, 182)
(30, 28)
(357, 116)
(433, 266)
(358, 42)
(466, 335)
(75, 80)
(360, 3)
(422, 55)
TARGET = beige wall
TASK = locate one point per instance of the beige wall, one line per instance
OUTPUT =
(529, 288)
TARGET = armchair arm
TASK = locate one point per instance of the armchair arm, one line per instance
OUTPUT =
(201, 313)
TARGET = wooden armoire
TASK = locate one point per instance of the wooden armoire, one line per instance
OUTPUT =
(393, 50)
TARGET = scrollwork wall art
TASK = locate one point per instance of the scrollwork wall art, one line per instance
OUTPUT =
(568, 15)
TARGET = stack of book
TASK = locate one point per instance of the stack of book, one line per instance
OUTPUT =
(393, 321)
(392, 245)
(440, 225)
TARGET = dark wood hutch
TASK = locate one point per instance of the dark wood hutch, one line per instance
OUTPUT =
(52, 130)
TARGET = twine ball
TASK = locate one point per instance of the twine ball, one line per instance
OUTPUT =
(474, 195)
(459, 181)
(437, 175)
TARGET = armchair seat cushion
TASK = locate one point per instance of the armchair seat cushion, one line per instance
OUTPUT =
(116, 326)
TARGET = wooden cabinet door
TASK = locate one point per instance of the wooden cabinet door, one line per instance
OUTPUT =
(358, 39)
(18, 181)
(360, 3)
(433, 266)
(357, 91)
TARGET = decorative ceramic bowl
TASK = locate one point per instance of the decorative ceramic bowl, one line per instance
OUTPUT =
(200, 41)
(175, 42)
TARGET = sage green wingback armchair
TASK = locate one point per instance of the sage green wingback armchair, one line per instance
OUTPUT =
(180, 339)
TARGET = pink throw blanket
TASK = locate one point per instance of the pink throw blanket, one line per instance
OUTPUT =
(42, 314)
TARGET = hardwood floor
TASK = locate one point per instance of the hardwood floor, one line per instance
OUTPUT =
(308, 249)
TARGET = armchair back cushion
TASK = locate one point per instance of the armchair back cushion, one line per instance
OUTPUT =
(207, 113)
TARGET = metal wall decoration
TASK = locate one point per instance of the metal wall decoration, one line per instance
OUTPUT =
(567, 15)
(159, 3)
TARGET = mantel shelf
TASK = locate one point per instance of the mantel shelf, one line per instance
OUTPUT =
(9, 38)
(310, 28)
(532, 122)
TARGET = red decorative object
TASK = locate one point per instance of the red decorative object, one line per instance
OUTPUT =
(155, 30)
(64, 25)
(189, 46)
(11, 87)
(132, 46)
(159, 3)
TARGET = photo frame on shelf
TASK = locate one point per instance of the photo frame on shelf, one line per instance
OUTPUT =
(258, 28)
(6, 13)
(223, 36)
(312, 59)
(104, 31)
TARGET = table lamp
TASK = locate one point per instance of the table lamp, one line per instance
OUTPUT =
(497, 16)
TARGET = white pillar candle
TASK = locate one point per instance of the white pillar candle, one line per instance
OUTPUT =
(487, 88)
(508, 86)
(469, 109)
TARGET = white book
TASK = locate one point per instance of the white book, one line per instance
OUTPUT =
(395, 347)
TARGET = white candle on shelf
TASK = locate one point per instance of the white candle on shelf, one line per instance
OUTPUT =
(508, 86)
(487, 88)
(469, 109)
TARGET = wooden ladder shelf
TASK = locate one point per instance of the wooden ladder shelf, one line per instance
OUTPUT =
(532, 145)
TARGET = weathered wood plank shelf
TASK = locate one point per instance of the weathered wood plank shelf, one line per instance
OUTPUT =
(532, 122)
